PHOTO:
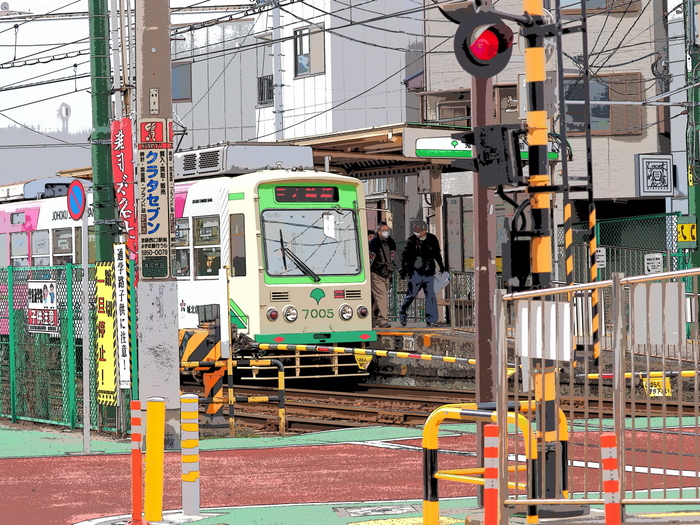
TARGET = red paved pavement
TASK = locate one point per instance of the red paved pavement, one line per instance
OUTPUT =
(64, 490)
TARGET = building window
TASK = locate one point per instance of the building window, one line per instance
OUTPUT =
(507, 104)
(309, 51)
(454, 114)
(182, 82)
(606, 119)
(207, 246)
(265, 90)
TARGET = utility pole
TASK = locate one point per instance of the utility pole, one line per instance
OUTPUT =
(693, 138)
(277, 71)
(103, 185)
(159, 358)
(484, 265)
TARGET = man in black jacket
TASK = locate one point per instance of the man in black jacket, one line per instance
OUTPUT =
(418, 265)
(382, 251)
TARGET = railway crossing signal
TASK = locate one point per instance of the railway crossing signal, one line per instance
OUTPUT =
(483, 43)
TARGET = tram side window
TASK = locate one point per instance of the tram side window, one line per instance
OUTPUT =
(181, 264)
(237, 245)
(207, 246)
(4, 252)
(92, 251)
(40, 248)
(62, 246)
(19, 249)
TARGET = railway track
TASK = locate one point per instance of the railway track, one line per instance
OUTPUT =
(370, 405)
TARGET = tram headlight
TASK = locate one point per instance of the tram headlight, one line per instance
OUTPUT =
(362, 312)
(272, 314)
(345, 312)
(290, 314)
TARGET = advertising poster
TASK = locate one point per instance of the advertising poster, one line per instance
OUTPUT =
(42, 311)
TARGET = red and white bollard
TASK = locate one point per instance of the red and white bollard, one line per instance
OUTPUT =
(136, 466)
(491, 504)
(611, 479)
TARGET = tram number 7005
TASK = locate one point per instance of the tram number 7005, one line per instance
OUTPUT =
(315, 313)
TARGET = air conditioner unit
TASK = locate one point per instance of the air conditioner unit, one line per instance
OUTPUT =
(236, 159)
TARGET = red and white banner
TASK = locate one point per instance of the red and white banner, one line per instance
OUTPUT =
(125, 180)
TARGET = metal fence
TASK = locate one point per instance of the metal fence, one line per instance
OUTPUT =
(41, 374)
(644, 388)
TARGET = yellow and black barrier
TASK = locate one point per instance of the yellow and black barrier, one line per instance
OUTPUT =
(213, 389)
(362, 351)
(485, 413)
(642, 375)
(478, 412)
(371, 352)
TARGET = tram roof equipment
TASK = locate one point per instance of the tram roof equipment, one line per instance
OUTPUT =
(240, 158)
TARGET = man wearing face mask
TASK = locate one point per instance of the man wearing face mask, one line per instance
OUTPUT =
(382, 251)
(418, 265)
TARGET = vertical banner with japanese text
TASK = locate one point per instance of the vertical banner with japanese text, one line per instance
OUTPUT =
(125, 180)
(156, 198)
(123, 304)
(105, 336)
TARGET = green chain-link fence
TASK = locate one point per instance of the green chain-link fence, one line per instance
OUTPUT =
(41, 374)
(626, 241)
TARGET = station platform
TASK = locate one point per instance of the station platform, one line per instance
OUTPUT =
(367, 476)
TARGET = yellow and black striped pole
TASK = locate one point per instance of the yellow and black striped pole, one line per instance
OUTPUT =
(537, 138)
(539, 188)
(595, 294)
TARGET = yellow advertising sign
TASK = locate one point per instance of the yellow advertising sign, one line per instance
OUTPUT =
(658, 387)
(106, 335)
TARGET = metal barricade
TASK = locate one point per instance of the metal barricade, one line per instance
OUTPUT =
(643, 386)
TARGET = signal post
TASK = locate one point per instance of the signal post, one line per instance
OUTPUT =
(483, 46)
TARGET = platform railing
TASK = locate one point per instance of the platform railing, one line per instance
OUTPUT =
(642, 385)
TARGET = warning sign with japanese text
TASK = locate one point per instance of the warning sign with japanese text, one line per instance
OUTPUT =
(105, 336)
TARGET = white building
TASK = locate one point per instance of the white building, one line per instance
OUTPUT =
(297, 70)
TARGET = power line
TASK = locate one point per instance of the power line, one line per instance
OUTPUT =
(45, 82)
(350, 99)
(43, 100)
(74, 66)
(17, 26)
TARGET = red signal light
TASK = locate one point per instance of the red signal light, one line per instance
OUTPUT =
(485, 46)
(483, 43)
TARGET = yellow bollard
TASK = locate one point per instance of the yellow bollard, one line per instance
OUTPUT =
(155, 459)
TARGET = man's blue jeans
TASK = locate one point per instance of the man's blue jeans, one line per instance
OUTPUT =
(414, 285)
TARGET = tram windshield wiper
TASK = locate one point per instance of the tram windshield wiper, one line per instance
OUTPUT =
(284, 250)
(301, 264)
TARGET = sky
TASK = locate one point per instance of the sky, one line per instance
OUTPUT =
(44, 85)
(61, 46)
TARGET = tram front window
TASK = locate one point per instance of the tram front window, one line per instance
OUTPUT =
(310, 242)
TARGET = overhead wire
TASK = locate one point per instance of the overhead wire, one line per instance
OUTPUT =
(17, 26)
